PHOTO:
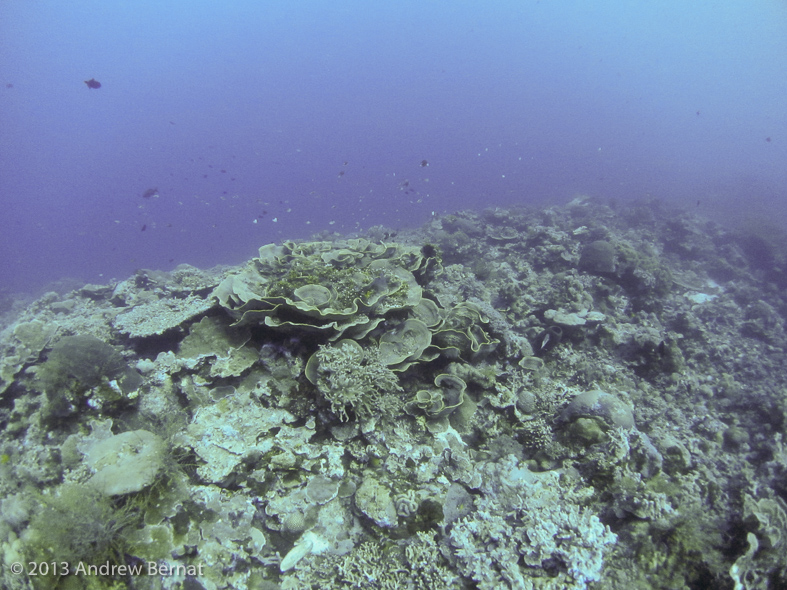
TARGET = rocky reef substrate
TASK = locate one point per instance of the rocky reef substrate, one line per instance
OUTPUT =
(576, 397)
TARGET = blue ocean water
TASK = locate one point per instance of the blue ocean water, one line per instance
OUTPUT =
(258, 121)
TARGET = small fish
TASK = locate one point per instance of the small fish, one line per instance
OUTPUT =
(144, 227)
(424, 163)
(150, 193)
(548, 339)
(545, 342)
(93, 83)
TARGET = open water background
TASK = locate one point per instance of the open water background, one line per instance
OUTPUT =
(258, 121)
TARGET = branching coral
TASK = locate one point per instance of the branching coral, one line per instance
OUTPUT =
(350, 377)
(526, 527)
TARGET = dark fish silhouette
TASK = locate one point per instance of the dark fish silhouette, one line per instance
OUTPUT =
(149, 193)
(93, 83)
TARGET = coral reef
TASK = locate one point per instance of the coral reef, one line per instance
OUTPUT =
(575, 397)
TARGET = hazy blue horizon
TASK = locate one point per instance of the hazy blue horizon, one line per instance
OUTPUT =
(315, 114)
